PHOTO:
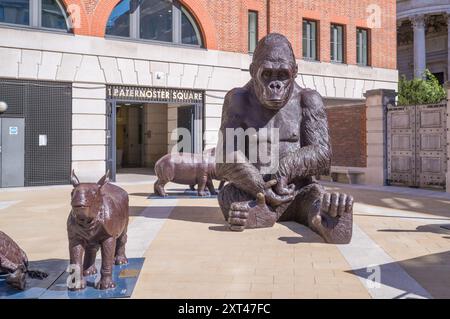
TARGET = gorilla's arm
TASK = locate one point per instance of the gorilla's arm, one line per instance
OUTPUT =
(240, 172)
(314, 156)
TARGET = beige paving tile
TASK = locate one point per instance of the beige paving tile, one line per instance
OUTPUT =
(248, 295)
(195, 256)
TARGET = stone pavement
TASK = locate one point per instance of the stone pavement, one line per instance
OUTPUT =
(191, 254)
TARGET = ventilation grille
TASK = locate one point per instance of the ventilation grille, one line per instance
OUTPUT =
(47, 109)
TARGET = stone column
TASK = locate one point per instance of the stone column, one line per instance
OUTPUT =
(447, 88)
(89, 130)
(448, 46)
(376, 107)
(420, 56)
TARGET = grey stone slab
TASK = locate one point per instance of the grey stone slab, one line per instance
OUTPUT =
(35, 287)
(125, 277)
(382, 276)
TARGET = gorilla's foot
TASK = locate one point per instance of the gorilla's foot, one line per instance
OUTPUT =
(333, 218)
(251, 214)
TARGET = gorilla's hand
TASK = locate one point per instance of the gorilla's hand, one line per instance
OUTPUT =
(251, 214)
(332, 218)
(280, 196)
(282, 188)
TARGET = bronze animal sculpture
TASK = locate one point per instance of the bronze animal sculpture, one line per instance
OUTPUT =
(14, 262)
(273, 100)
(221, 185)
(210, 152)
(98, 219)
(188, 169)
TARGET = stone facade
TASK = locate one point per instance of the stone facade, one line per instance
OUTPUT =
(423, 35)
(91, 61)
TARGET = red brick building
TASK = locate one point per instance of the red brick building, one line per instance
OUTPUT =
(129, 72)
(224, 23)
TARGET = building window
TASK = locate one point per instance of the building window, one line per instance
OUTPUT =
(156, 20)
(53, 15)
(337, 43)
(252, 31)
(310, 40)
(362, 47)
(190, 33)
(119, 20)
(15, 12)
(38, 13)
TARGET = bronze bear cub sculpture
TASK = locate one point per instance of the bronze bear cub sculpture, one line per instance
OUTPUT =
(98, 219)
(14, 262)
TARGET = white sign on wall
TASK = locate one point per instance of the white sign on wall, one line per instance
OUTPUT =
(13, 130)
(42, 140)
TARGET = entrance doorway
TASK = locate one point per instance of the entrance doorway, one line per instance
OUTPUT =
(129, 139)
(140, 122)
(142, 134)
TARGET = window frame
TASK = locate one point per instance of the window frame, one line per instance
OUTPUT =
(316, 40)
(177, 10)
(194, 23)
(35, 18)
(256, 13)
(344, 41)
(369, 49)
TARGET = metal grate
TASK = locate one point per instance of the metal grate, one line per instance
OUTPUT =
(47, 109)
(13, 95)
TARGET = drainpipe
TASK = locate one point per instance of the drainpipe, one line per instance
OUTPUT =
(268, 16)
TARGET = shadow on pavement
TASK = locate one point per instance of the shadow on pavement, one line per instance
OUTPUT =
(213, 215)
(196, 214)
(403, 202)
(430, 271)
(140, 194)
(431, 228)
(306, 234)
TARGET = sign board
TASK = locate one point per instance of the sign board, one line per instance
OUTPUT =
(152, 94)
(13, 130)
(42, 140)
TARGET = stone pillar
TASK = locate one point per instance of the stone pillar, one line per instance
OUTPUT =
(447, 88)
(377, 102)
(420, 56)
(89, 130)
(448, 46)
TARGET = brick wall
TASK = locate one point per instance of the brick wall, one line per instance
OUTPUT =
(224, 23)
(348, 135)
(351, 14)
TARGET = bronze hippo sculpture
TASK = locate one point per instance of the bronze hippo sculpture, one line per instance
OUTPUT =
(188, 169)
(98, 219)
(14, 262)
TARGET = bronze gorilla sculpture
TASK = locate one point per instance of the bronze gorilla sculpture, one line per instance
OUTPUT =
(98, 219)
(273, 100)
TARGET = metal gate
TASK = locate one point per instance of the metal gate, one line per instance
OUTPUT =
(417, 145)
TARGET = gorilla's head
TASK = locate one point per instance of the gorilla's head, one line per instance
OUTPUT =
(273, 71)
